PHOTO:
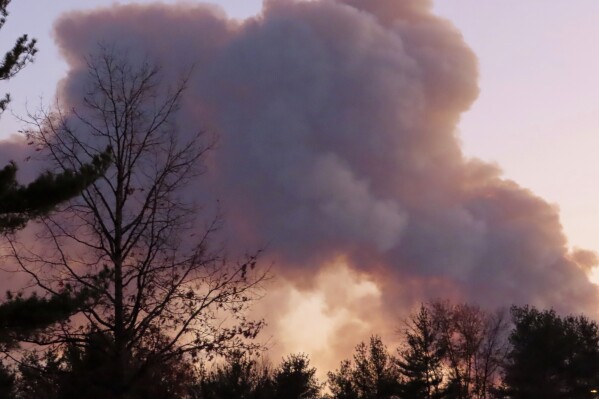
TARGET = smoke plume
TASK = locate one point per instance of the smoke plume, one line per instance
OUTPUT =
(338, 152)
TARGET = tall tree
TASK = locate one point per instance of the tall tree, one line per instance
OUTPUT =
(295, 379)
(420, 358)
(341, 382)
(159, 288)
(473, 345)
(373, 374)
(552, 356)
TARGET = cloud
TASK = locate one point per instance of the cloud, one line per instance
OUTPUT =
(337, 126)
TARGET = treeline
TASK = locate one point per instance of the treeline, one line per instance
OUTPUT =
(447, 351)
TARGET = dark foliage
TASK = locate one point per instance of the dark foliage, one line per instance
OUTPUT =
(294, 378)
(21, 53)
(373, 374)
(420, 359)
(552, 356)
(7, 383)
(239, 376)
(86, 372)
(20, 203)
(243, 376)
(22, 317)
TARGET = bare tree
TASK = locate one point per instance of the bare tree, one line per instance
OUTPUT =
(492, 353)
(474, 345)
(155, 287)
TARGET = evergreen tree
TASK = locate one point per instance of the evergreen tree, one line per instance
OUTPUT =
(85, 371)
(295, 379)
(7, 382)
(20, 316)
(241, 376)
(17, 57)
(373, 374)
(341, 382)
(21, 203)
(552, 356)
(420, 361)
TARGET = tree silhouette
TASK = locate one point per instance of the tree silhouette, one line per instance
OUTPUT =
(420, 359)
(159, 290)
(22, 316)
(473, 346)
(78, 371)
(21, 203)
(7, 382)
(240, 376)
(552, 356)
(372, 374)
(295, 379)
(341, 382)
(17, 57)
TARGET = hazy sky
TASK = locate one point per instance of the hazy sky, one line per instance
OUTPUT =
(537, 115)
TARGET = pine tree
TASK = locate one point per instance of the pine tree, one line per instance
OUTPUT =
(23, 316)
(17, 57)
(420, 362)
(372, 374)
(240, 376)
(7, 382)
(551, 356)
(21, 203)
(18, 203)
(295, 379)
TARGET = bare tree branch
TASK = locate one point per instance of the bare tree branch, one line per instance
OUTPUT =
(158, 295)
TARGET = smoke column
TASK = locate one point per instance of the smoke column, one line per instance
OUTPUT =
(338, 151)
